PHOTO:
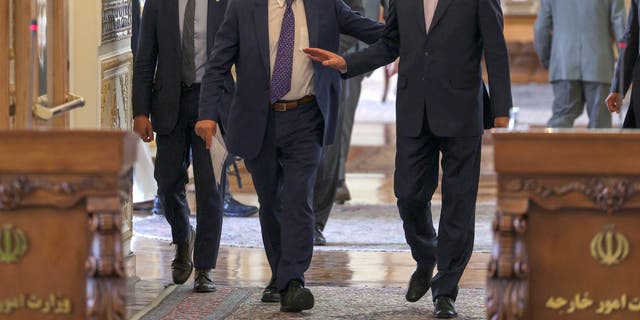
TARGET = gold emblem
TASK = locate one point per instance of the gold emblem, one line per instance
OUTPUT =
(609, 247)
(13, 244)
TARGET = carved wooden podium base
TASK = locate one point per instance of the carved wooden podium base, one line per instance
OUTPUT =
(61, 200)
(567, 229)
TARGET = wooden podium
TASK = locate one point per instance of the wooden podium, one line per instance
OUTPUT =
(61, 201)
(567, 227)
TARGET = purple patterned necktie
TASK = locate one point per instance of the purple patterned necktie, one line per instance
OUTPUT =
(283, 66)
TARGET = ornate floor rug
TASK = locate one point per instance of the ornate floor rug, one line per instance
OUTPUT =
(350, 227)
(178, 302)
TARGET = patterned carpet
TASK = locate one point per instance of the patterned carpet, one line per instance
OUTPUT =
(178, 302)
(351, 227)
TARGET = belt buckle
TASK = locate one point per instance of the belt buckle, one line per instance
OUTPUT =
(280, 107)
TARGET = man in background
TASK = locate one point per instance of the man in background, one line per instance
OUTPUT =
(231, 206)
(330, 179)
(624, 76)
(176, 37)
(575, 40)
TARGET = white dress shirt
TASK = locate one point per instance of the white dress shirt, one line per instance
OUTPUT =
(199, 34)
(302, 72)
(429, 12)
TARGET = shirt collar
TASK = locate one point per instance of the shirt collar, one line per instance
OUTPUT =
(283, 3)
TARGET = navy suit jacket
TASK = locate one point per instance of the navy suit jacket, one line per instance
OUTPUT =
(440, 71)
(157, 76)
(243, 40)
(627, 72)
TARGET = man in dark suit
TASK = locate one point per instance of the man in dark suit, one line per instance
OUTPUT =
(283, 112)
(439, 110)
(175, 39)
(624, 75)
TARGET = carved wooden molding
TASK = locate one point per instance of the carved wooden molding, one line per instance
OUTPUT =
(15, 190)
(609, 194)
(507, 286)
(106, 296)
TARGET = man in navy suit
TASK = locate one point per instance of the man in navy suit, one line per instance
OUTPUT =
(283, 112)
(440, 109)
(175, 39)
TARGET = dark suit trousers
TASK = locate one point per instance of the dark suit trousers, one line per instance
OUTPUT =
(416, 179)
(172, 161)
(284, 173)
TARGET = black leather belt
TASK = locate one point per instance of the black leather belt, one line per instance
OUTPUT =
(288, 105)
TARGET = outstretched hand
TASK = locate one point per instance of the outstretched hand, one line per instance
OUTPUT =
(327, 58)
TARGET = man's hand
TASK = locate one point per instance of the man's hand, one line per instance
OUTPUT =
(142, 126)
(206, 129)
(613, 102)
(501, 122)
(328, 58)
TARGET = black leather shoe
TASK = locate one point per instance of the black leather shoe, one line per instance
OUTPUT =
(182, 264)
(157, 207)
(203, 282)
(233, 208)
(419, 284)
(296, 298)
(445, 308)
(342, 194)
(270, 293)
(318, 237)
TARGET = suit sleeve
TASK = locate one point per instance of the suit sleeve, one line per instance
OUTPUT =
(623, 74)
(348, 42)
(218, 69)
(356, 25)
(491, 25)
(144, 66)
(542, 33)
(618, 15)
(383, 52)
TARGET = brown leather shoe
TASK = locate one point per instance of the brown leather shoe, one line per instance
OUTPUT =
(203, 282)
(182, 264)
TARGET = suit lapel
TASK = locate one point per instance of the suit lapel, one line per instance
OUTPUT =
(261, 16)
(211, 32)
(419, 10)
(174, 20)
(440, 10)
(312, 22)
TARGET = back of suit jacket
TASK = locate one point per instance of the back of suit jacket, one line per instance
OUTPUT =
(574, 38)
(439, 71)
(157, 68)
(243, 40)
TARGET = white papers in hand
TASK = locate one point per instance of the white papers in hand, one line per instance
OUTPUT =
(219, 155)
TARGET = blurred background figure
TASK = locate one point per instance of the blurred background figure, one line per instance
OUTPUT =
(351, 89)
(330, 184)
(624, 76)
(574, 39)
